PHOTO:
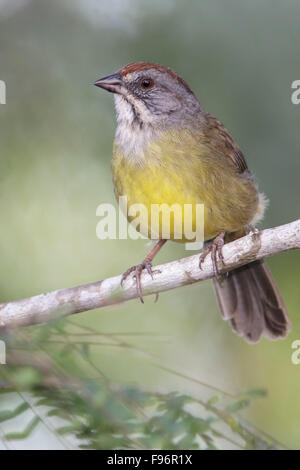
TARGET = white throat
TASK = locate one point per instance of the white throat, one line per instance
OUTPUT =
(131, 135)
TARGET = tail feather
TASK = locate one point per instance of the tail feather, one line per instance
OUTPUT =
(250, 300)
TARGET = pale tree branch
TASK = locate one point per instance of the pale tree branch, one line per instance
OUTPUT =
(45, 307)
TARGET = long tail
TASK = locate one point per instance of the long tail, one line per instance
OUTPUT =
(250, 300)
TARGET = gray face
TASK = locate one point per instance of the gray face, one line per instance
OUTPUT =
(158, 97)
(153, 97)
(148, 101)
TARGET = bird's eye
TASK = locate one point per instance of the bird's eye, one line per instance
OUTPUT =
(147, 83)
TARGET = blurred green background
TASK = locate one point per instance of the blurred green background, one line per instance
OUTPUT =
(56, 134)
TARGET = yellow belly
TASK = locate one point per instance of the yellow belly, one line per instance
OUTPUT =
(169, 174)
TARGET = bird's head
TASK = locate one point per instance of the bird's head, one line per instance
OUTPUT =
(151, 94)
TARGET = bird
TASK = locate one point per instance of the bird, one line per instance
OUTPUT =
(169, 150)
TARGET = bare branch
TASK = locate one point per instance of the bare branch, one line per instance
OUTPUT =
(44, 307)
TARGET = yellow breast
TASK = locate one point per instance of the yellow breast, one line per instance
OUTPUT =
(178, 169)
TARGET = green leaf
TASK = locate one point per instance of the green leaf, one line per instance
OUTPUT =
(27, 431)
(237, 406)
(9, 414)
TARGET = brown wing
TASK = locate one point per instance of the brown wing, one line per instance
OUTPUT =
(219, 139)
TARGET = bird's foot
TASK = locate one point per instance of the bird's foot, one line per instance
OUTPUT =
(215, 249)
(146, 264)
(137, 270)
(251, 230)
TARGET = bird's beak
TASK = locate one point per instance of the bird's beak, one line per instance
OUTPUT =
(112, 83)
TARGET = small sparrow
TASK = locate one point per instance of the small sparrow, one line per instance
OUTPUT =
(168, 149)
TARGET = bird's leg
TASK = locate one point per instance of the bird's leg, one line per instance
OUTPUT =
(251, 230)
(215, 249)
(145, 264)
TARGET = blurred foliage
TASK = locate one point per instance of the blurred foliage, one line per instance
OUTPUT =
(103, 415)
(56, 134)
